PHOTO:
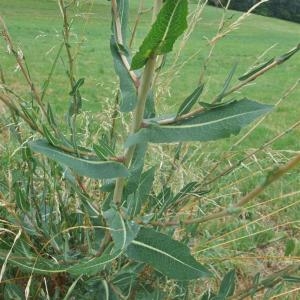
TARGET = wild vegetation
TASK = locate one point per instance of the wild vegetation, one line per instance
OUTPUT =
(117, 186)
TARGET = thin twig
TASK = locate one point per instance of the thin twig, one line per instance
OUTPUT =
(19, 56)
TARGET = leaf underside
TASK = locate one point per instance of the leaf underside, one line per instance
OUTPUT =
(83, 167)
(217, 123)
(169, 25)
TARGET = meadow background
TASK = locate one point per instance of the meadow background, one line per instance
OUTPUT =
(255, 241)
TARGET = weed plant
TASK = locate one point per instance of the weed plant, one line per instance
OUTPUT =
(125, 202)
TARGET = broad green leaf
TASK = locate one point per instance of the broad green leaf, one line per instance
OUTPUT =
(227, 286)
(166, 255)
(83, 167)
(209, 125)
(128, 91)
(136, 200)
(188, 103)
(226, 84)
(169, 25)
(121, 231)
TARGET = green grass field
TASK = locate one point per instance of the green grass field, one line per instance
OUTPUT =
(35, 27)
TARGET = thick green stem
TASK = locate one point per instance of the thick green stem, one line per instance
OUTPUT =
(143, 90)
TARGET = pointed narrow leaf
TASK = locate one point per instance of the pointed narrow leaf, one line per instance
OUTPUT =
(50, 137)
(226, 84)
(281, 59)
(209, 125)
(103, 150)
(291, 279)
(169, 25)
(50, 116)
(166, 255)
(227, 286)
(84, 167)
(255, 70)
(76, 87)
(188, 103)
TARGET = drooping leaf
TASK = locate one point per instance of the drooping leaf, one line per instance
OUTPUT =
(128, 91)
(188, 103)
(169, 25)
(91, 266)
(226, 84)
(122, 11)
(38, 265)
(122, 58)
(84, 167)
(227, 286)
(209, 125)
(121, 231)
(166, 255)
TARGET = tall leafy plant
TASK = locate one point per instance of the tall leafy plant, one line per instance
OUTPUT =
(123, 245)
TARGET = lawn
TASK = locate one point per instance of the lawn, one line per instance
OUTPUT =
(253, 241)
